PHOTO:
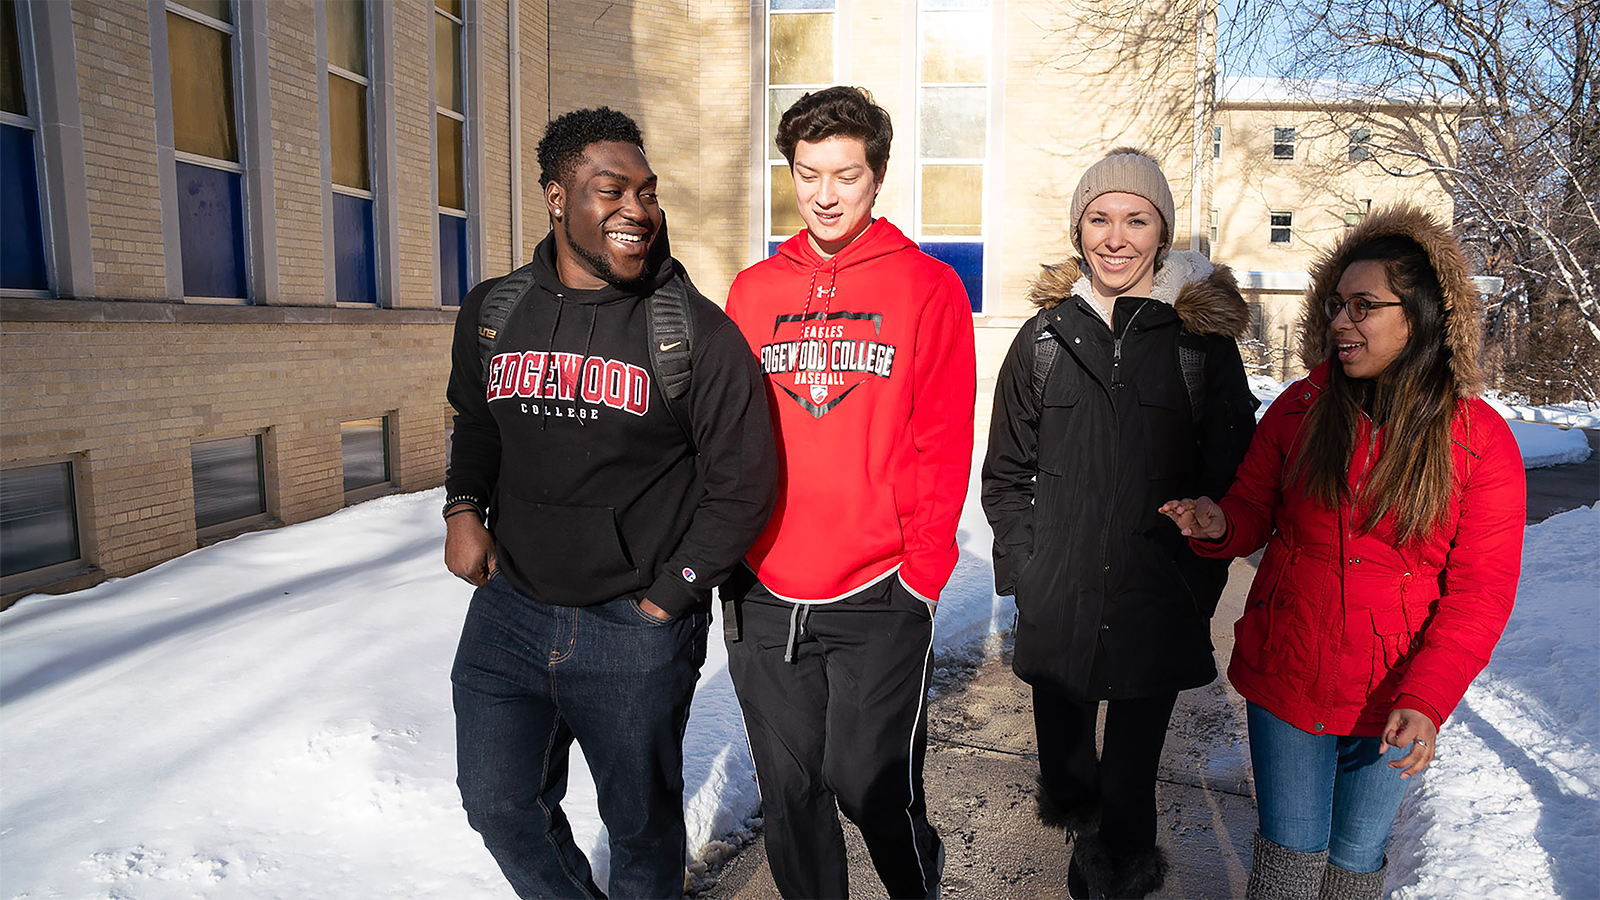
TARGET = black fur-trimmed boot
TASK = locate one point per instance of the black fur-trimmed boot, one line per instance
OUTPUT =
(1343, 884)
(1075, 819)
(1278, 873)
(1096, 871)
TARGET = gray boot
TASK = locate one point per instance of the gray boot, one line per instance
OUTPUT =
(1343, 884)
(1279, 873)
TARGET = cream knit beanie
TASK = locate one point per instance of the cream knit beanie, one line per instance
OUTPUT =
(1127, 170)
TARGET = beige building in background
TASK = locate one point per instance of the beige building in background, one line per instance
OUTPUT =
(1292, 167)
(234, 306)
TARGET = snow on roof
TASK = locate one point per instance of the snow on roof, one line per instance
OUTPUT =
(1256, 89)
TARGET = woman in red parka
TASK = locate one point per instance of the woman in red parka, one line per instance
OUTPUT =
(1391, 501)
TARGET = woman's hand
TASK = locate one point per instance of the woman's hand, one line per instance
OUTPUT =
(1408, 726)
(1201, 518)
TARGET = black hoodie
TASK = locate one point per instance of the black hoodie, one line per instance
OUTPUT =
(594, 492)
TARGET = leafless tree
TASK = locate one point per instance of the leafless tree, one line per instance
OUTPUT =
(1517, 144)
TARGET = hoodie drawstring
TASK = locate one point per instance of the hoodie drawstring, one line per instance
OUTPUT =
(832, 267)
(561, 304)
(797, 626)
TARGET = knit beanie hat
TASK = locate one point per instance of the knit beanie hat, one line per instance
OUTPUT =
(1130, 171)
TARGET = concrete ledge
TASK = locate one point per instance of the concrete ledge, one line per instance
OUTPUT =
(30, 309)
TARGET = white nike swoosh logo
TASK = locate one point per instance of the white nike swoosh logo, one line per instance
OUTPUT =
(665, 346)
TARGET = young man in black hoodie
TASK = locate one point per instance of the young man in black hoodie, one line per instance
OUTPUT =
(594, 525)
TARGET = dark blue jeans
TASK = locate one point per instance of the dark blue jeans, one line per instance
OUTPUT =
(529, 679)
(1319, 792)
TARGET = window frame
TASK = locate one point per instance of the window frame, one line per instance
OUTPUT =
(1360, 147)
(219, 530)
(771, 158)
(991, 107)
(77, 473)
(34, 123)
(376, 158)
(1286, 227)
(365, 492)
(470, 149)
(1279, 142)
(1216, 142)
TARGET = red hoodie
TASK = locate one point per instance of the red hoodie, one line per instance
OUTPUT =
(871, 378)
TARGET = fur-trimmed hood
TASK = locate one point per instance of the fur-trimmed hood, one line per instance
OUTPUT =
(1205, 296)
(1463, 329)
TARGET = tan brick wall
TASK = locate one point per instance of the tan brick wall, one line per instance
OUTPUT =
(112, 41)
(297, 180)
(129, 399)
(723, 165)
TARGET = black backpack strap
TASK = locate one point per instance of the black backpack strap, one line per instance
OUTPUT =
(1045, 347)
(1192, 362)
(671, 336)
(496, 309)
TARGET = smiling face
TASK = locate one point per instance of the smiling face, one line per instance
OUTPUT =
(835, 189)
(1367, 347)
(1120, 235)
(606, 218)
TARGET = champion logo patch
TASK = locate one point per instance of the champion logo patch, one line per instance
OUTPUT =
(688, 575)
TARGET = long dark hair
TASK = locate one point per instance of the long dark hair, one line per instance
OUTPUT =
(1413, 399)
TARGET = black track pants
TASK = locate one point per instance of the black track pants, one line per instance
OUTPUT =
(1124, 776)
(844, 722)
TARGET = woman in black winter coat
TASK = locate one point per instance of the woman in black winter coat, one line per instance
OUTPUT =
(1126, 386)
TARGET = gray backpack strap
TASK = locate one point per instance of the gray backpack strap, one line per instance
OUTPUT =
(496, 309)
(1045, 348)
(1192, 362)
(671, 336)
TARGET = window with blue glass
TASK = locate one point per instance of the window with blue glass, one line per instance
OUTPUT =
(450, 148)
(22, 252)
(202, 56)
(953, 50)
(349, 93)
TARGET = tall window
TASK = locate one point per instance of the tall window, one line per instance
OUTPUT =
(229, 483)
(38, 518)
(1282, 226)
(450, 124)
(1216, 142)
(22, 251)
(800, 58)
(952, 134)
(349, 99)
(202, 56)
(1360, 144)
(1283, 142)
(1215, 226)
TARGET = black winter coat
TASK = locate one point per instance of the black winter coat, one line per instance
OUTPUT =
(1111, 602)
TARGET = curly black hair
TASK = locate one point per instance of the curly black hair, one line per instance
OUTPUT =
(569, 133)
(839, 111)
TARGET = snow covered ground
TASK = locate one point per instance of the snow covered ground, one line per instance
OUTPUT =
(270, 717)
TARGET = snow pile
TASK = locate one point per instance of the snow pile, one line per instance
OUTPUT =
(1548, 445)
(1511, 807)
(270, 717)
(1557, 441)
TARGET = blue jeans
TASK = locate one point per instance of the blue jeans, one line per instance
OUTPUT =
(1319, 792)
(529, 679)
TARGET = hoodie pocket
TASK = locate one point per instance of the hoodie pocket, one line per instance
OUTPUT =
(569, 555)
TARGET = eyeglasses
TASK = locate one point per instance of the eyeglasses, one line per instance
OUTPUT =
(1356, 309)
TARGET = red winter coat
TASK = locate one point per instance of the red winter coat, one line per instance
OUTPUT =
(1341, 627)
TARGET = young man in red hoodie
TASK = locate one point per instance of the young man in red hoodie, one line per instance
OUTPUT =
(867, 349)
